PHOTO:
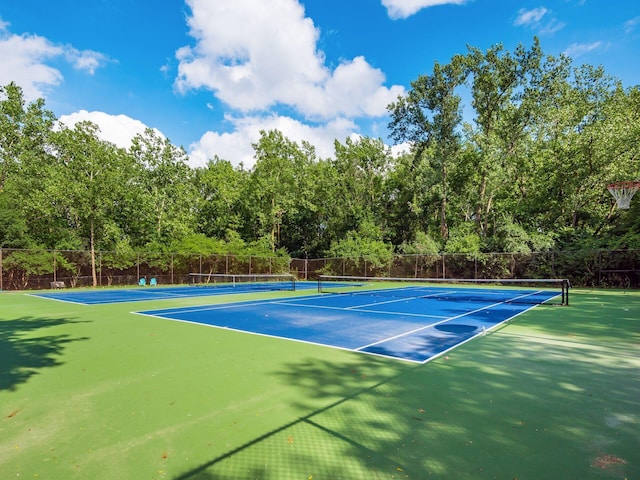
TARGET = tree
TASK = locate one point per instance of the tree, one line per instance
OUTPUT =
(220, 192)
(25, 167)
(429, 118)
(92, 178)
(364, 245)
(166, 211)
(361, 166)
(498, 81)
(278, 185)
(570, 146)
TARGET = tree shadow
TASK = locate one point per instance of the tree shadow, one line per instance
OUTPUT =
(327, 386)
(512, 404)
(25, 351)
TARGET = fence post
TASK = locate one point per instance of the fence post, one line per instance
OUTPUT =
(172, 269)
(1, 271)
(54, 267)
(599, 268)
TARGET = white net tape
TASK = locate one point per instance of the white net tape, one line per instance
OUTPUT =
(623, 192)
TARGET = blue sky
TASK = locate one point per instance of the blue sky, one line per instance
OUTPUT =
(210, 74)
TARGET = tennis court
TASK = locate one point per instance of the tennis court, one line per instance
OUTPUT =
(200, 286)
(551, 395)
(409, 322)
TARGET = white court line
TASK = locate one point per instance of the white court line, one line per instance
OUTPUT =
(217, 306)
(351, 309)
(56, 299)
(432, 325)
(359, 349)
(398, 299)
(279, 337)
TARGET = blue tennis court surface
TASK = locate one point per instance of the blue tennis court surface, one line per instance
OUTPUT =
(138, 294)
(413, 328)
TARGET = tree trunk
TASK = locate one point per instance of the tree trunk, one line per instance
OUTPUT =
(479, 208)
(444, 228)
(93, 257)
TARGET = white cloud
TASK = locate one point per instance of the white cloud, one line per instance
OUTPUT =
(540, 19)
(577, 49)
(117, 129)
(236, 146)
(397, 9)
(86, 60)
(530, 17)
(630, 25)
(23, 60)
(255, 55)
(401, 149)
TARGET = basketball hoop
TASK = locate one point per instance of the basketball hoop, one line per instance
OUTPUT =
(623, 192)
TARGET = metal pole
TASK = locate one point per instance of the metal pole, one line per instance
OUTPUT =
(600, 268)
(475, 266)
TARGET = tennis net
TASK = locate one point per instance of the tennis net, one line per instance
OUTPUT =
(245, 282)
(527, 291)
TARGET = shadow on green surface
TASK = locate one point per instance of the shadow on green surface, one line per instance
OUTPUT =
(24, 351)
(276, 453)
(554, 398)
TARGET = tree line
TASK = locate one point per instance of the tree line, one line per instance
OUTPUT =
(506, 152)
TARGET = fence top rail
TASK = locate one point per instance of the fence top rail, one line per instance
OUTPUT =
(364, 257)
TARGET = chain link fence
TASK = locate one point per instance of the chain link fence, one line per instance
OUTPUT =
(592, 268)
(43, 269)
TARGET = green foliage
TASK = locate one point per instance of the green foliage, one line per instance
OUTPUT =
(13, 225)
(363, 245)
(20, 265)
(199, 243)
(512, 237)
(528, 174)
(463, 238)
(220, 194)
(164, 192)
(423, 244)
